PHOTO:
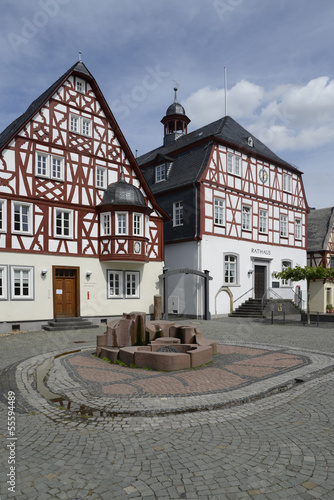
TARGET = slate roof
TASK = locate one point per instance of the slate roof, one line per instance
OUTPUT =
(21, 121)
(320, 223)
(191, 150)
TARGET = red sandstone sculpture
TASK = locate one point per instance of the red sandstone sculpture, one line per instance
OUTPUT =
(135, 341)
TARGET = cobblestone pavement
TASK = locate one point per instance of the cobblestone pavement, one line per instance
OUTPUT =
(239, 442)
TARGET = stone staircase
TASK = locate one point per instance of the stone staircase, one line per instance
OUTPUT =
(61, 324)
(252, 308)
(249, 309)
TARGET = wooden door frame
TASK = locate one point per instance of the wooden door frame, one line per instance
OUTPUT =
(77, 287)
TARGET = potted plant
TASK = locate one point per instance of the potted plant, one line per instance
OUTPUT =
(330, 308)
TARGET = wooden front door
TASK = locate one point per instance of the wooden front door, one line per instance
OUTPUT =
(65, 292)
(259, 281)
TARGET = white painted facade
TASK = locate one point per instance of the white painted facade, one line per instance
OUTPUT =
(94, 300)
(208, 254)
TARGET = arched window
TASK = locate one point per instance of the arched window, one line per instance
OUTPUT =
(285, 265)
(231, 269)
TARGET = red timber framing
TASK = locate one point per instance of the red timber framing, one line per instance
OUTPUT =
(259, 186)
(77, 130)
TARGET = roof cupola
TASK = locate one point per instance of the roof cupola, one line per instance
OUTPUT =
(175, 121)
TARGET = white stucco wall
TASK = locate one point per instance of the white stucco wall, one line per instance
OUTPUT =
(41, 306)
(209, 255)
(249, 255)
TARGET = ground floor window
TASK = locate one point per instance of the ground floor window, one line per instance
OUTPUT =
(123, 284)
(230, 274)
(285, 265)
(21, 283)
(3, 282)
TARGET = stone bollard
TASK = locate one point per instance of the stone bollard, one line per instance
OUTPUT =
(157, 307)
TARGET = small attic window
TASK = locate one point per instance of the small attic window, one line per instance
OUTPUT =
(80, 85)
(250, 141)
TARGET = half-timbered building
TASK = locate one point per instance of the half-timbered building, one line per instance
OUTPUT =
(236, 210)
(320, 251)
(80, 232)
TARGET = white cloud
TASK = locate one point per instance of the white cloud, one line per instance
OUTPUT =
(207, 104)
(288, 117)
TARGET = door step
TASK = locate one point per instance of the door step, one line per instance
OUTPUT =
(62, 324)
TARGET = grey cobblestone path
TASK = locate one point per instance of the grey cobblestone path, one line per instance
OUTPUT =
(275, 448)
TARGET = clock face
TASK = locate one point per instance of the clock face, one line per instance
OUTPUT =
(137, 247)
(263, 175)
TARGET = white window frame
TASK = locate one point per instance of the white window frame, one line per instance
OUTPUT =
(59, 167)
(298, 229)
(134, 276)
(287, 182)
(70, 223)
(283, 226)
(45, 157)
(29, 218)
(137, 224)
(246, 218)
(160, 173)
(219, 211)
(178, 213)
(4, 282)
(125, 228)
(80, 121)
(100, 177)
(3, 216)
(228, 266)
(122, 284)
(80, 82)
(111, 291)
(49, 158)
(286, 263)
(30, 273)
(263, 221)
(234, 164)
(76, 119)
(86, 121)
(105, 224)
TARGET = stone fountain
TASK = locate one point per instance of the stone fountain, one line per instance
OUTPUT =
(158, 345)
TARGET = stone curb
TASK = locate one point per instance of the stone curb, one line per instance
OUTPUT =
(61, 383)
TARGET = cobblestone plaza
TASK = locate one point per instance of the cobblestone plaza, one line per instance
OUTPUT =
(256, 423)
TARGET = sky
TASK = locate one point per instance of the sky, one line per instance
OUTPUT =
(278, 57)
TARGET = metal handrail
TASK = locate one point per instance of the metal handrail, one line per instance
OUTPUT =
(278, 296)
(243, 294)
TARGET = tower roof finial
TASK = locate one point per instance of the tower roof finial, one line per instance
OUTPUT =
(176, 86)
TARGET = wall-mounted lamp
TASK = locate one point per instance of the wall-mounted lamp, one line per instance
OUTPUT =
(250, 271)
(43, 272)
(88, 274)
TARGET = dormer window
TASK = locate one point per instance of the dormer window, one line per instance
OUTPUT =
(250, 142)
(160, 173)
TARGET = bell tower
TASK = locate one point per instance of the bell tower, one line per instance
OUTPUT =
(175, 121)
